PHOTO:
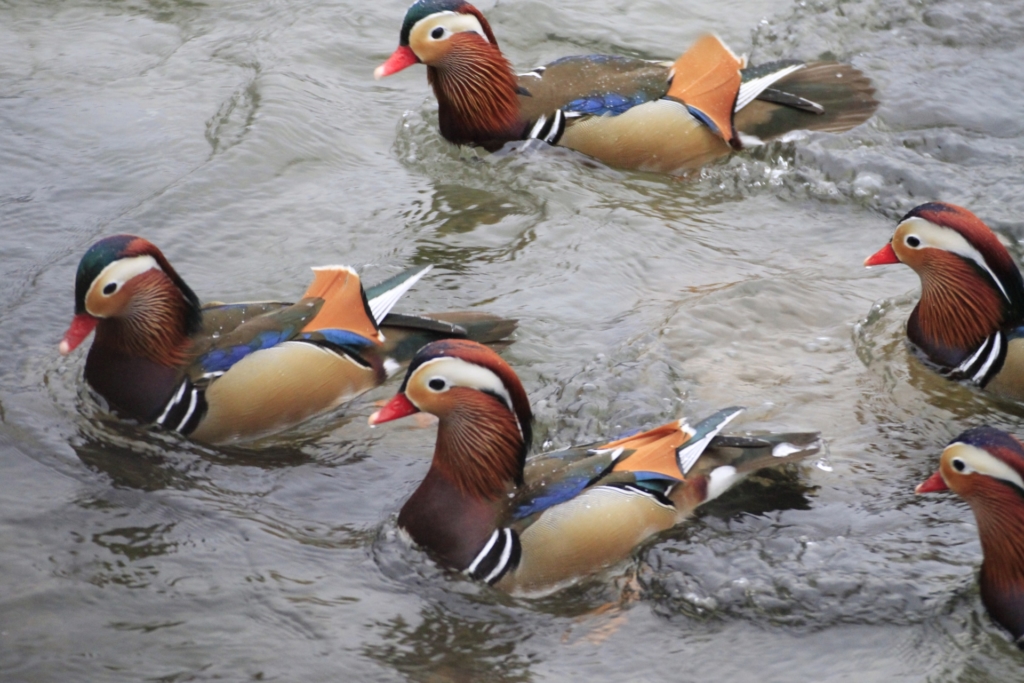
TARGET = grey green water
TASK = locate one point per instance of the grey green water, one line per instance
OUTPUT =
(249, 141)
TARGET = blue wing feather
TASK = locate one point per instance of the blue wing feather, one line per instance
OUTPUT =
(222, 359)
(589, 471)
(601, 103)
(343, 338)
(607, 103)
(553, 495)
(654, 483)
(704, 118)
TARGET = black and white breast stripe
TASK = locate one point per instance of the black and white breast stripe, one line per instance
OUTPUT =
(500, 554)
(985, 363)
(658, 497)
(548, 128)
(185, 409)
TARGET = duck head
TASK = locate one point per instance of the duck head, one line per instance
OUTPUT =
(985, 467)
(431, 30)
(475, 86)
(484, 415)
(979, 465)
(970, 286)
(127, 291)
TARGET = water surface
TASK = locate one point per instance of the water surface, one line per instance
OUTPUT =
(249, 141)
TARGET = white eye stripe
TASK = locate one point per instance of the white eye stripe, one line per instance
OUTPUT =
(125, 269)
(947, 239)
(121, 271)
(459, 373)
(981, 461)
(453, 22)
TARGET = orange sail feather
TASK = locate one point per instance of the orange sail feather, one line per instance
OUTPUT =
(707, 78)
(653, 451)
(344, 306)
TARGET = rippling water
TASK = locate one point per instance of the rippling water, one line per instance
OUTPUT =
(249, 141)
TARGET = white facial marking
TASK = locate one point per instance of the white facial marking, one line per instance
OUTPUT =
(978, 460)
(455, 372)
(947, 239)
(451, 23)
(112, 278)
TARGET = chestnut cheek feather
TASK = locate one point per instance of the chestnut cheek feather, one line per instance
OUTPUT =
(958, 308)
(476, 92)
(149, 320)
(479, 445)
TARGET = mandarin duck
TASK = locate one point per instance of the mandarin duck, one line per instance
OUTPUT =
(533, 526)
(223, 373)
(985, 467)
(969, 322)
(629, 113)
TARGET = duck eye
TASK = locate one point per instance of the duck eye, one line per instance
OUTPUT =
(437, 33)
(913, 241)
(959, 465)
(437, 384)
(110, 288)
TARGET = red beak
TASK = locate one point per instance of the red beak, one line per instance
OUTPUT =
(882, 257)
(397, 407)
(81, 325)
(401, 58)
(932, 484)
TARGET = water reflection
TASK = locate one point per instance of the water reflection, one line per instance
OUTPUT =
(642, 298)
(446, 647)
(169, 11)
(129, 466)
(459, 210)
(149, 465)
(470, 227)
(229, 126)
(137, 543)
